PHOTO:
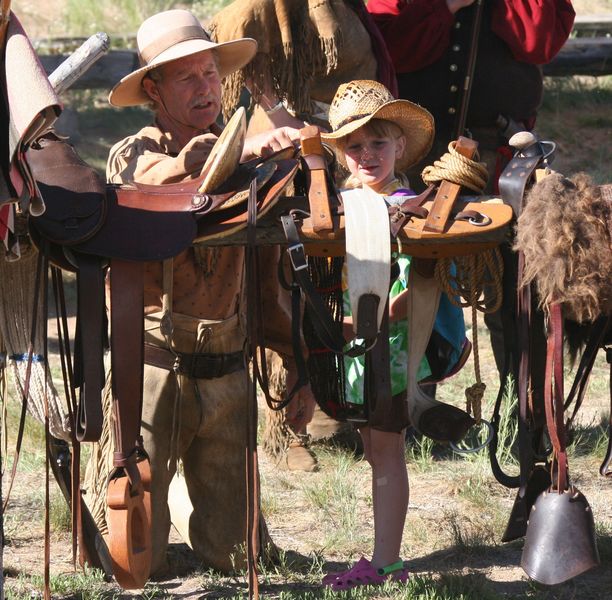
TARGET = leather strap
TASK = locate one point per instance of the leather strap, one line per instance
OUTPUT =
(377, 380)
(398, 215)
(127, 354)
(318, 198)
(327, 330)
(606, 469)
(89, 363)
(203, 365)
(128, 494)
(253, 335)
(523, 323)
(517, 174)
(553, 396)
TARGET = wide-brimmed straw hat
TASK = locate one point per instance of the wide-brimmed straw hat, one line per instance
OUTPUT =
(360, 101)
(171, 35)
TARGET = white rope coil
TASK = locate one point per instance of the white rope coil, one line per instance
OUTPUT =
(17, 282)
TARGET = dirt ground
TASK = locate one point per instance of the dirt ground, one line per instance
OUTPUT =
(300, 531)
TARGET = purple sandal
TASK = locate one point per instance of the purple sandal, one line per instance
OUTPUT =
(363, 573)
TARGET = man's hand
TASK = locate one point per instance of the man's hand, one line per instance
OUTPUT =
(267, 142)
(196, 151)
(455, 5)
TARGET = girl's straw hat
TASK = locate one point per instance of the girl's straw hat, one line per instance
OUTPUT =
(360, 101)
(171, 35)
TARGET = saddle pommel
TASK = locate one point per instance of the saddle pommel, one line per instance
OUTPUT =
(318, 197)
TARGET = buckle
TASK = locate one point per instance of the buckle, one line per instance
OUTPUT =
(297, 256)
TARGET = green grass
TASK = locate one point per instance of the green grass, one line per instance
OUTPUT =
(86, 585)
(335, 498)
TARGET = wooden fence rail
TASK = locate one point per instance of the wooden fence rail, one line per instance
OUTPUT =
(579, 56)
(587, 52)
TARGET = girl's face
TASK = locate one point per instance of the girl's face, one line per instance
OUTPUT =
(371, 157)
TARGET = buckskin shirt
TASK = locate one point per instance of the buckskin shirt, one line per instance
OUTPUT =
(207, 281)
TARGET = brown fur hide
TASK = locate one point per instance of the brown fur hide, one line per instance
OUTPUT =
(565, 233)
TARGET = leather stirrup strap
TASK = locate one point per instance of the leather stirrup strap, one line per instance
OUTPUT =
(260, 367)
(89, 351)
(68, 478)
(128, 493)
(377, 377)
(252, 480)
(127, 353)
(526, 458)
(423, 302)
(553, 396)
(166, 325)
(606, 468)
(48, 458)
(327, 330)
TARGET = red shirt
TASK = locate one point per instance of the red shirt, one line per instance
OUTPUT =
(417, 32)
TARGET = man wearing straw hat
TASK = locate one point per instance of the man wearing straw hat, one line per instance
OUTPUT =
(198, 417)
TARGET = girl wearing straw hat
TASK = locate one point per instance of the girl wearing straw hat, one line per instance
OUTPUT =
(376, 137)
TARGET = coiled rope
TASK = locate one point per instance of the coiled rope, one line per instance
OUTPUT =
(477, 278)
(477, 282)
(456, 168)
(16, 309)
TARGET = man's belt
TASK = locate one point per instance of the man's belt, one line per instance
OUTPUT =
(203, 365)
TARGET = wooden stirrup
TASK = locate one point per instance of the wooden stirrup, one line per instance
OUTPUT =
(129, 526)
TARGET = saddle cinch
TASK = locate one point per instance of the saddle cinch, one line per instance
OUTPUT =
(349, 226)
(89, 227)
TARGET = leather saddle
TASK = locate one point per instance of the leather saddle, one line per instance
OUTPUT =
(89, 226)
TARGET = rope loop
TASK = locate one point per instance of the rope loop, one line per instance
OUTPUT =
(456, 168)
(473, 275)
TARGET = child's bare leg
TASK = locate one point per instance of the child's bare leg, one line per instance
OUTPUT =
(385, 453)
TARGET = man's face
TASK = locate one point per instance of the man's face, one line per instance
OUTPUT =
(189, 90)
